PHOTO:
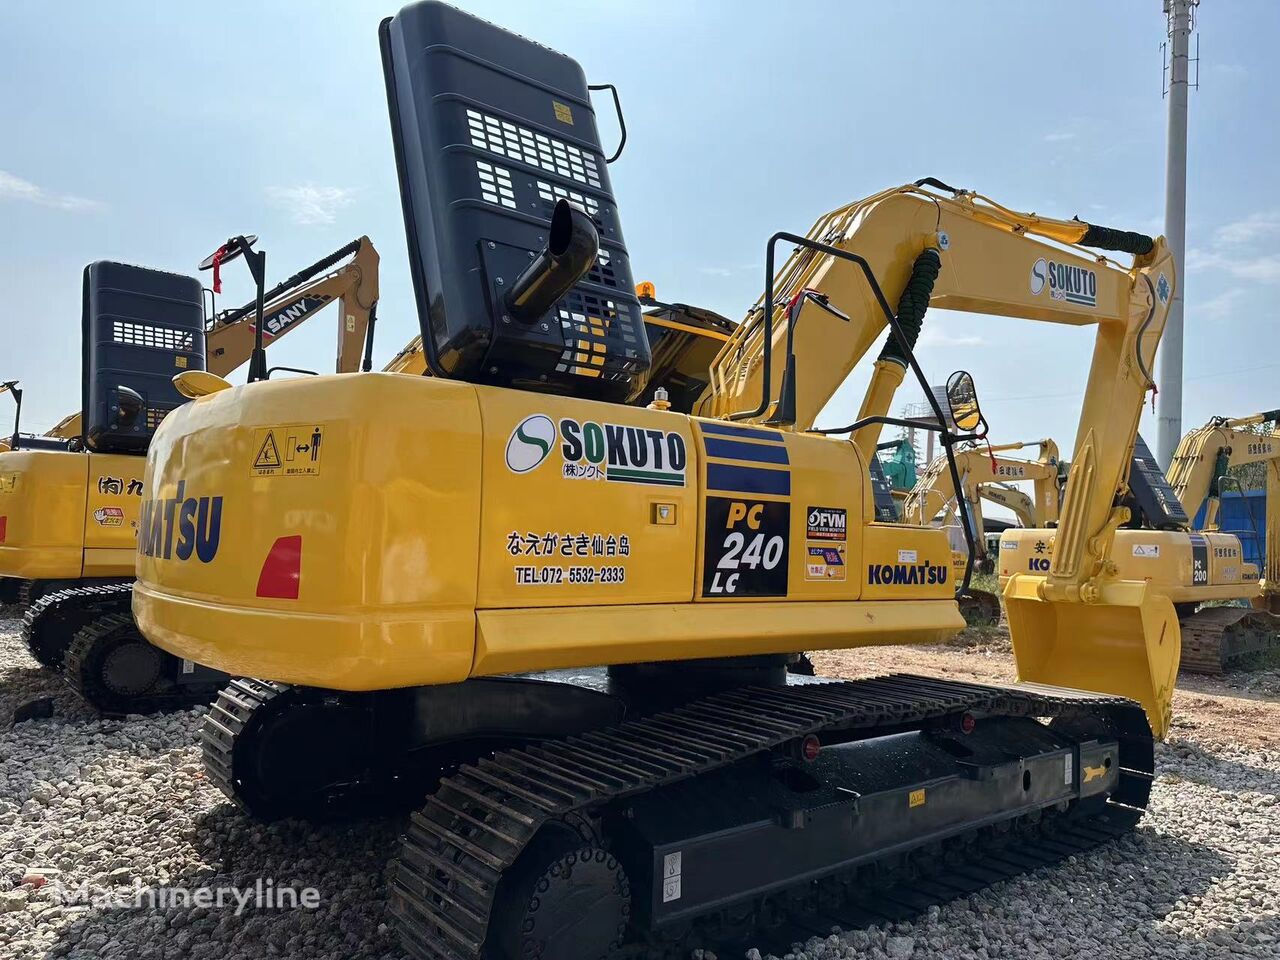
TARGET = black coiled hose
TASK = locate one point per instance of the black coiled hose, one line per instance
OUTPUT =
(912, 305)
(1124, 241)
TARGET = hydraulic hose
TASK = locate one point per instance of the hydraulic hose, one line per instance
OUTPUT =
(912, 305)
(1123, 241)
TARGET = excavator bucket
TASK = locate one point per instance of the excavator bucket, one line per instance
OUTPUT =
(1127, 644)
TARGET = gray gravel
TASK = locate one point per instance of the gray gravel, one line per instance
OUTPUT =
(119, 803)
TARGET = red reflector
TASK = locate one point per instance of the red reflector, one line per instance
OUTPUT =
(4, 528)
(967, 723)
(282, 570)
(810, 747)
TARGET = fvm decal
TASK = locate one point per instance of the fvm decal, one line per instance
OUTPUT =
(1065, 281)
(746, 548)
(828, 523)
(176, 527)
(906, 574)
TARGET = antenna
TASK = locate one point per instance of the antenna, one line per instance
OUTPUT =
(1175, 84)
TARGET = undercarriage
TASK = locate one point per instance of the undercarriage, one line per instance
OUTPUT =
(1218, 639)
(86, 633)
(647, 811)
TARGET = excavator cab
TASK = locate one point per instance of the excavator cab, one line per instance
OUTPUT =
(472, 108)
(142, 327)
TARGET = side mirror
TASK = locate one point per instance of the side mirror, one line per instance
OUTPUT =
(962, 402)
(130, 405)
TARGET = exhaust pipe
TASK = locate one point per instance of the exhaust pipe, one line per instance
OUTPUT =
(571, 250)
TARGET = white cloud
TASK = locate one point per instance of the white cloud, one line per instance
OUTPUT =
(15, 188)
(310, 204)
(727, 271)
(1221, 306)
(1253, 228)
(933, 337)
(1059, 136)
(1234, 248)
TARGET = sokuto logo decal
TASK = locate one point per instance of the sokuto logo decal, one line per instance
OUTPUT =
(531, 441)
(1039, 276)
(1065, 281)
(599, 451)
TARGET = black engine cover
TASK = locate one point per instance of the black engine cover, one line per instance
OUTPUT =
(142, 327)
(491, 130)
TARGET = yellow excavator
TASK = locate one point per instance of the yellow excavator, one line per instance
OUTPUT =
(1215, 639)
(986, 473)
(1203, 571)
(556, 614)
(69, 508)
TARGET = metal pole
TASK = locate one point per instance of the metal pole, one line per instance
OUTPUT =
(1169, 378)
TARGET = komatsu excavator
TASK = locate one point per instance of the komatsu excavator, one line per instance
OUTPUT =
(985, 473)
(1198, 569)
(69, 509)
(561, 621)
(1221, 637)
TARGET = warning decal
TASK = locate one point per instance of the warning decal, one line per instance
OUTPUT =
(268, 457)
(291, 450)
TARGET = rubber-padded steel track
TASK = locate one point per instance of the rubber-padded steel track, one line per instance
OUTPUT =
(102, 619)
(50, 622)
(478, 822)
(1217, 639)
(236, 703)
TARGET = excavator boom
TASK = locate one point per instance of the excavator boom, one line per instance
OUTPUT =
(229, 336)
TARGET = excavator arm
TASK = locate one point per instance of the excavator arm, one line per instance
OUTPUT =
(229, 335)
(1201, 462)
(923, 244)
(981, 468)
(354, 286)
(1012, 499)
(964, 252)
(1205, 454)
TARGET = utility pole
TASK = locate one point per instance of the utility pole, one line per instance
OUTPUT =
(1179, 15)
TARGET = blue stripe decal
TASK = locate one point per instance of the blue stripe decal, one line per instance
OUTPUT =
(734, 479)
(727, 431)
(737, 450)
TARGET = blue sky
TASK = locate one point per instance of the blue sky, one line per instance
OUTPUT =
(150, 132)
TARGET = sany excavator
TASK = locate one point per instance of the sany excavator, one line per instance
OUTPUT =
(69, 510)
(559, 621)
(985, 473)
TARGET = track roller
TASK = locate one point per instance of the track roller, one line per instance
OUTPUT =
(281, 751)
(117, 671)
(562, 900)
(52, 620)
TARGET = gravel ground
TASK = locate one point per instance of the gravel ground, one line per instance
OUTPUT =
(119, 803)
